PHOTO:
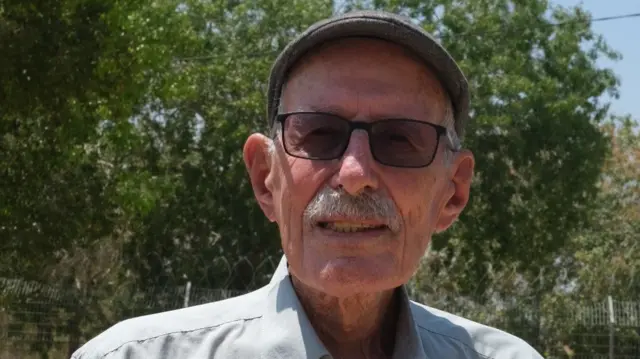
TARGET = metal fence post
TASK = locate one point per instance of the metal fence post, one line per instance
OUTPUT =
(187, 291)
(612, 322)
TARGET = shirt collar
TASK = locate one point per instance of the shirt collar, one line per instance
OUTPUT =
(287, 332)
(281, 271)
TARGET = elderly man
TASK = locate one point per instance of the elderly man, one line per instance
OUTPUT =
(362, 166)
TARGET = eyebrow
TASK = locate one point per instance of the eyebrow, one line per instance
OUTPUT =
(347, 114)
(332, 109)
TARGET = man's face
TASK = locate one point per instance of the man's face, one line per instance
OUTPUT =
(324, 208)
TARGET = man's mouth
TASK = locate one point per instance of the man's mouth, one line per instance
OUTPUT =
(351, 227)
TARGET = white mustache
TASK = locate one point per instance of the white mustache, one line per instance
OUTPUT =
(368, 205)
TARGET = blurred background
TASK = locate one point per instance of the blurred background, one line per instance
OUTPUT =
(123, 192)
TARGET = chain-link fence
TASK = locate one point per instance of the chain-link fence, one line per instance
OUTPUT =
(38, 321)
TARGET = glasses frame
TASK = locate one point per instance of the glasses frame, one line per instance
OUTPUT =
(358, 125)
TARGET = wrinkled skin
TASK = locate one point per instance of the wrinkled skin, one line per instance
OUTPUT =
(347, 285)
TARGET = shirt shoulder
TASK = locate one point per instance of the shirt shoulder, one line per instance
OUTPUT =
(143, 337)
(445, 334)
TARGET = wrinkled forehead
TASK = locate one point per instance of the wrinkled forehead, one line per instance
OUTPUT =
(356, 72)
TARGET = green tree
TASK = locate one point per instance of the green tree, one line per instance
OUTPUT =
(601, 260)
(73, 76)
(208, 229)
(52, 193)
(604, 259)
(607, 255)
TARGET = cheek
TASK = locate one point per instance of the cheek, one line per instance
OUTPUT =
(419, 211)
(292, 188)
(299, 183)
(304, 181)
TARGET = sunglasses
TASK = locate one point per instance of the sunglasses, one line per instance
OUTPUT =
(393, 142)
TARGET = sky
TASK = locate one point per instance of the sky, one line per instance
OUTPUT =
(623, 36)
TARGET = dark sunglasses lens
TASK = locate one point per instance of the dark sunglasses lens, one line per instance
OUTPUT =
(315, 136)
(404, 143)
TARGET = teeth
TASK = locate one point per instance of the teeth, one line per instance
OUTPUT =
(349, 227)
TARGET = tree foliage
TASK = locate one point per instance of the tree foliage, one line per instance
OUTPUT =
(605, 256)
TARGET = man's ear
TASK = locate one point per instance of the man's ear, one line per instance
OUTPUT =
(460, 188)
(259, 165)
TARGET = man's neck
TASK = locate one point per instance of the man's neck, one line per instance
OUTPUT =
(360, 326)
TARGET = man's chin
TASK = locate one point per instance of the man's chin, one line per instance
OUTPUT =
(346, 276)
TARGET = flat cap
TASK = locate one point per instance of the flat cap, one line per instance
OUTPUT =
(384, 26)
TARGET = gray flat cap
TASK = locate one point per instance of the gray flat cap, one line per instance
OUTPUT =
(385, 26)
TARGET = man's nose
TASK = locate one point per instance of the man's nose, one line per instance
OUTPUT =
(357, 171)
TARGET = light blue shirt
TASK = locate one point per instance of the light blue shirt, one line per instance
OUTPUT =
(270, 323)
